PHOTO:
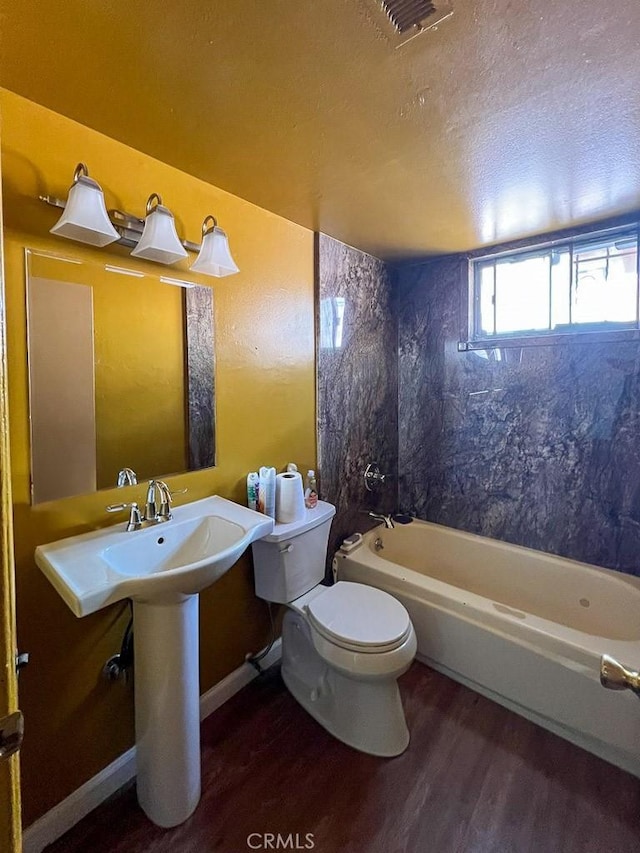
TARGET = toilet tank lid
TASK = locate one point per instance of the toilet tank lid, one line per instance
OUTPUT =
(312, 518)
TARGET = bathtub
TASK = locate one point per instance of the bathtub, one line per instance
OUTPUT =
(523, 628)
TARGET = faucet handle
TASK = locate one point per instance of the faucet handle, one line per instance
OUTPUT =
(166, 499)
(373, 477)
(135, 519)
(119, 507)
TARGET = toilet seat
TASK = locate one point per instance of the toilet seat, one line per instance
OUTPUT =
(359, 618)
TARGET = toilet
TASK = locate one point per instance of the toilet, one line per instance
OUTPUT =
(344, 646)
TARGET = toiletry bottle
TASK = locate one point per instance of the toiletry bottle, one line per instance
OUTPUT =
(267, 491)
(252, 490)
(311, 492)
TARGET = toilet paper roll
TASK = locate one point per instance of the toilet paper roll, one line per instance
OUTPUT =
(289, 498)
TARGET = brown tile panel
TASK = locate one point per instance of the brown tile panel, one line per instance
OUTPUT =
(535, 445)
(357, 386)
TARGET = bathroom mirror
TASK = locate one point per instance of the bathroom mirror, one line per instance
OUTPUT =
(121, 374)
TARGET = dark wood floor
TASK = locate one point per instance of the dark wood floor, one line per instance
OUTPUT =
(475, 778)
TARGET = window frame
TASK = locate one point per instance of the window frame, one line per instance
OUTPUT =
(576, 333)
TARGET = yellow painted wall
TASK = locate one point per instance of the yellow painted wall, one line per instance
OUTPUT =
(75, 722)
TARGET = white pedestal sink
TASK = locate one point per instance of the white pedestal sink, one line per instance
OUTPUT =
(162, 568)
(167, 709)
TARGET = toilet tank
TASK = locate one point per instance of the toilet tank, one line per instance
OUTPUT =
(291, 560)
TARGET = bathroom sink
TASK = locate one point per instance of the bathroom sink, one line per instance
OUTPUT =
(162, 568)
(179, 557)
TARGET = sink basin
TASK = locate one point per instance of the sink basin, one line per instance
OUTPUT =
(182, 556)
(162, 568)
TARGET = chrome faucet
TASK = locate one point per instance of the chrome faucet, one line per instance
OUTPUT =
(151, 505)
(387, 520)
(126, 477)
(151, 514)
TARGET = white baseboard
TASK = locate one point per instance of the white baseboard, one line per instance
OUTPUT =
(96, 790)
(84, 799)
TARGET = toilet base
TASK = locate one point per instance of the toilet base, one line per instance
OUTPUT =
(366, 714)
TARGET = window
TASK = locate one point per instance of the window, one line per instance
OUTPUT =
(585, 284)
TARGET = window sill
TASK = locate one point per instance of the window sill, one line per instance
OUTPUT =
(556, 339)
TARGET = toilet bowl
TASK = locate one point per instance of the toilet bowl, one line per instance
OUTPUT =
(343, 646)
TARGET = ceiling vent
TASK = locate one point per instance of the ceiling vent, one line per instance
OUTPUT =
(409, 18)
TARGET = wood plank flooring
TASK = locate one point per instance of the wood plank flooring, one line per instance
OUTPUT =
(475, 778)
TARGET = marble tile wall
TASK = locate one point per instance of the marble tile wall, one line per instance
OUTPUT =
(539, 446)
(357, 384)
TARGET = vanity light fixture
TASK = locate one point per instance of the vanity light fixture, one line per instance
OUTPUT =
(85, 216)
(154, 238)
(159, 241)
(215, 256)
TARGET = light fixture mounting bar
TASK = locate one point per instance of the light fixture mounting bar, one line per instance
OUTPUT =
(128, 226)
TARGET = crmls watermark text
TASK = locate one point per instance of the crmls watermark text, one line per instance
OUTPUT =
(278, 841)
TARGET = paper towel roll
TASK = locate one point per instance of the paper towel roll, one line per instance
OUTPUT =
(289, 498)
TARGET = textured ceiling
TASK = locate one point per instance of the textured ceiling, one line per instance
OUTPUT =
(511, 118)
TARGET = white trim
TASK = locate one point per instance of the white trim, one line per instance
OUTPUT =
(84, 799)
(96, 790)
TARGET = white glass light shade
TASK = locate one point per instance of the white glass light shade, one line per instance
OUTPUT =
(85, 217)
(159, 241)
(215, 257)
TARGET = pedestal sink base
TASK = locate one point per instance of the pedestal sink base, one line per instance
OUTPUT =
(167, 708)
